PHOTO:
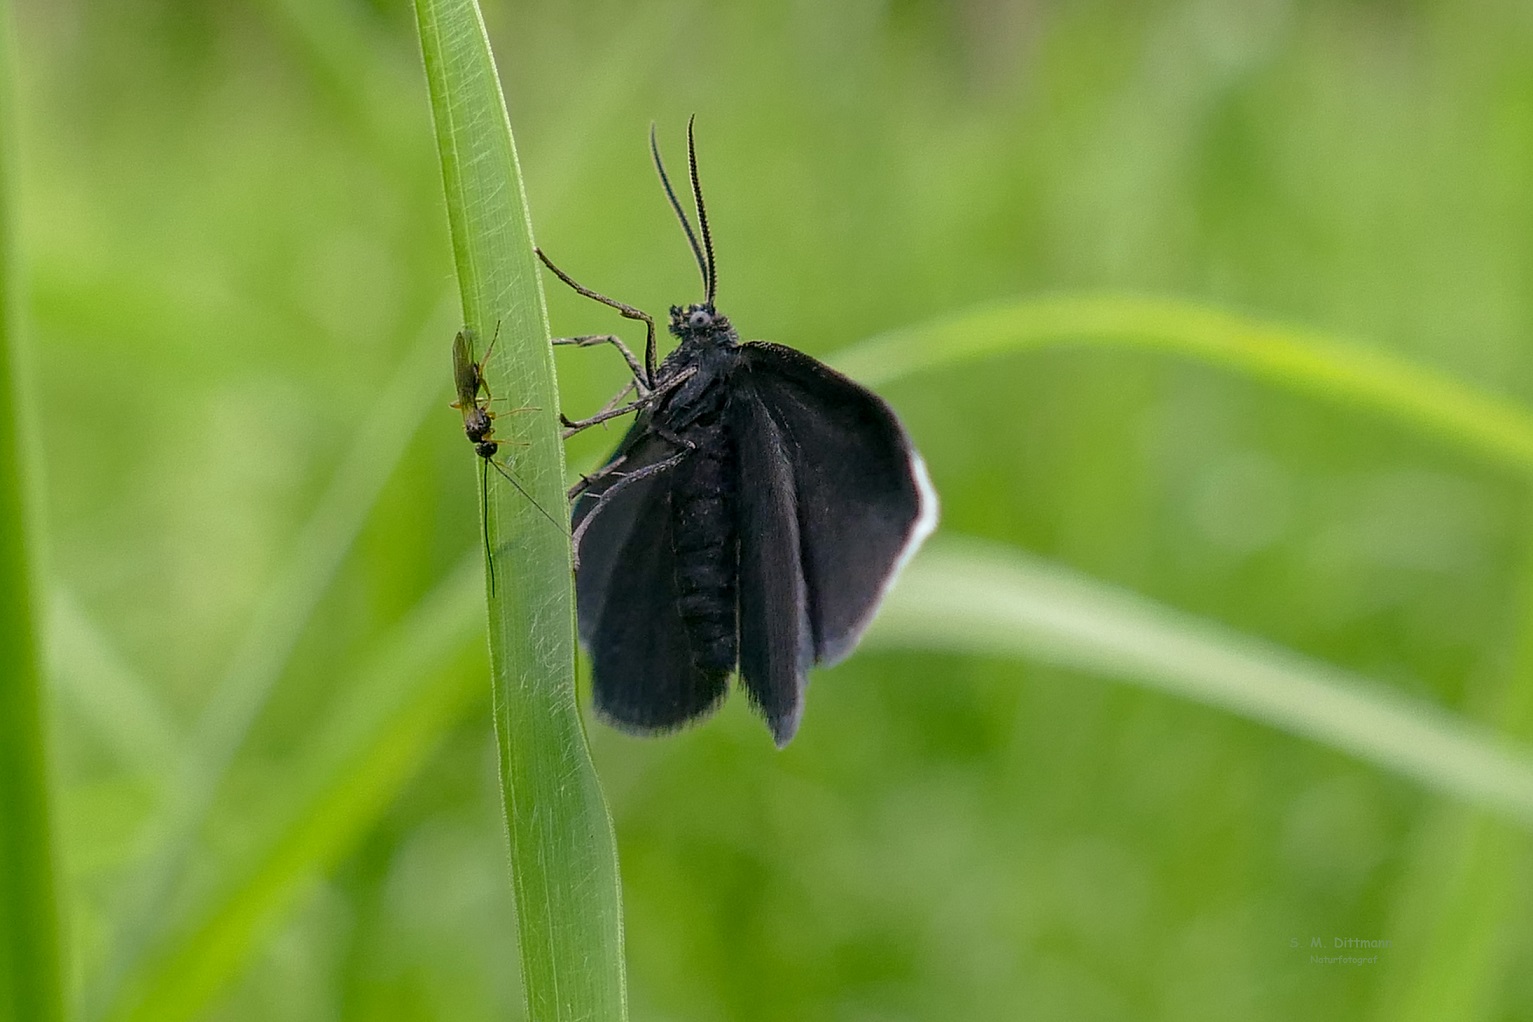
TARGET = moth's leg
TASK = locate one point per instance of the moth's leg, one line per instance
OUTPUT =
(587, 481)
(617, 399)
(613, 410)
(572, 426)
(590, 340)
(628, 479)
(626, 311)
(674, 439)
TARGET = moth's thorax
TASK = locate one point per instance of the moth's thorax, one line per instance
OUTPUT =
(707, 358)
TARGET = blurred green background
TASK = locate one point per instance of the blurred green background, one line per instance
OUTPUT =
(233, 221)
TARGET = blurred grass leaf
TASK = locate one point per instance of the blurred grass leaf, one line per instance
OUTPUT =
(412, 689)
(275, 628)
(31, 960)
(990, 600)
(98, 686)
(1045, 612)
(1488, 427)
(563, 850)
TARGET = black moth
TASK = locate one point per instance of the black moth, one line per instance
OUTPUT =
(752, 518)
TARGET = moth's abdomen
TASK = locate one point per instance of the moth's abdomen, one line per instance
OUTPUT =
(706, 549)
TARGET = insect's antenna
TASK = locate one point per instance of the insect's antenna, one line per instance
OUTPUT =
(484, 517)
(681, 214)
(523, 491)
(710, 276)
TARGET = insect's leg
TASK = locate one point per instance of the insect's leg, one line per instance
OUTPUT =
(627, 480)
(495, 337)
(590, 340)
(484, 384)
(506, 474)
(626, 311)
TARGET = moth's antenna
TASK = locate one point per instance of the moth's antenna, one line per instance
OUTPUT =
(711, 274)
(681, 214)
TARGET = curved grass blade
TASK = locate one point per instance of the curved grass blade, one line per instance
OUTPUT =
(985, 599)
(267, 885)
(563, 852)
(1488, 427)
(31, 958)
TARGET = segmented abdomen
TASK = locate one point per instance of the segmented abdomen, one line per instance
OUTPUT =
(706, 548)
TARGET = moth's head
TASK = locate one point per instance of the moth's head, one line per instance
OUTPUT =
(699, 321)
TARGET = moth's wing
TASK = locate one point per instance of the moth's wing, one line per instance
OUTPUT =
(604, 539)
(643, 675)
(863, 497)
(776, 641)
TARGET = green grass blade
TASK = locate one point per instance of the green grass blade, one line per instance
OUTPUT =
(1488, 427)
(563, 853)
(414, 688)
(984, 599)
(31, 972)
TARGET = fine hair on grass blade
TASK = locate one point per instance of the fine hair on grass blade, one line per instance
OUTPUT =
(31, 957)
(563, 853)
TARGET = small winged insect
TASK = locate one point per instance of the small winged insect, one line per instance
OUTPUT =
(479, 427)
(751, 519)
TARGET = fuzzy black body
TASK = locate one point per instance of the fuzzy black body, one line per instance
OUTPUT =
(750, 520)
(705, 543)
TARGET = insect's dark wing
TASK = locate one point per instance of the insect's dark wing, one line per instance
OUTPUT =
(643, 674)
(864, 502)
(776, 643)
(465, 372)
